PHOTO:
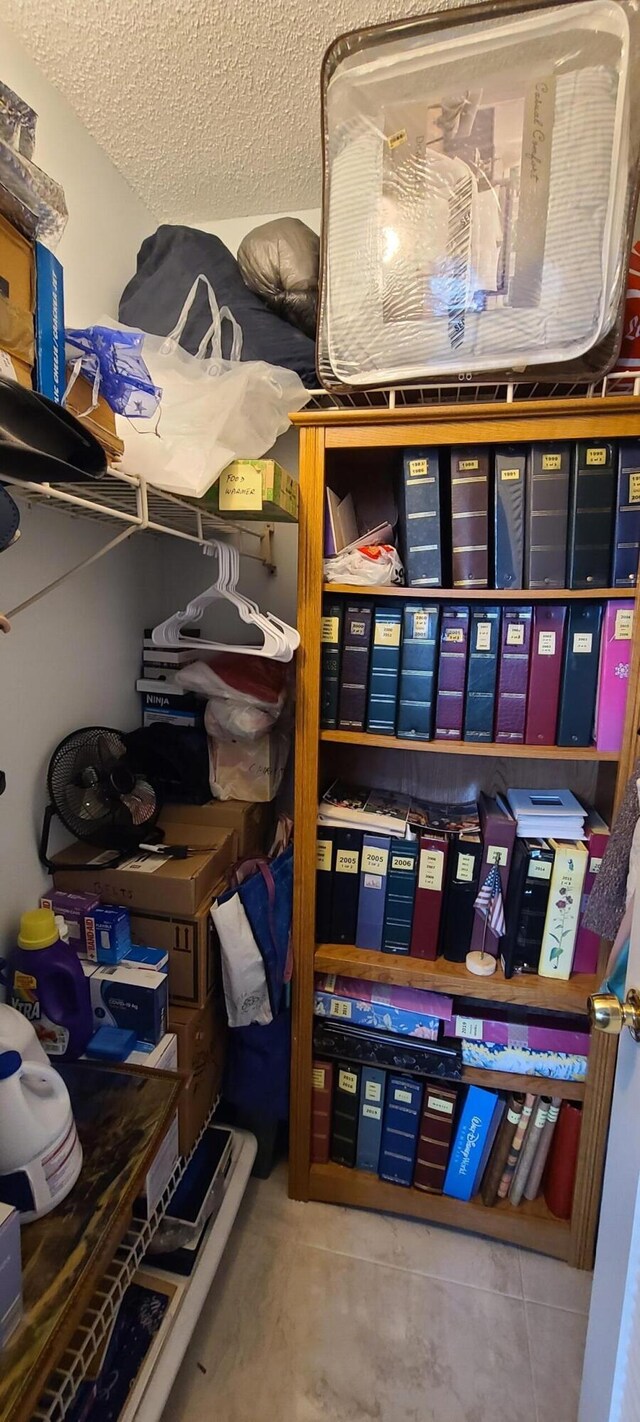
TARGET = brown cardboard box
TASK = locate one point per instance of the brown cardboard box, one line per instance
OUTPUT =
(100, 421)
(252, 822)
(192, 945)
(202, 1037)
(17, 293)
(157, 885)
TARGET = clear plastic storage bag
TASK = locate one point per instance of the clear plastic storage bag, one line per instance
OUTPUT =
(480, 181)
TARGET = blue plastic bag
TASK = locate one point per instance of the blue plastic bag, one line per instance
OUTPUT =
(112, 361)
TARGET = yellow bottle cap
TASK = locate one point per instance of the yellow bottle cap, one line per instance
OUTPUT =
(37, 929)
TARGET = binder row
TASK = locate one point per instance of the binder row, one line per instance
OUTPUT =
(418, 897)
(445, 1139)
(543, 675)
(547, 516)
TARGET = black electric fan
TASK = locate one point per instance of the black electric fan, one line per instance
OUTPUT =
(98, 794)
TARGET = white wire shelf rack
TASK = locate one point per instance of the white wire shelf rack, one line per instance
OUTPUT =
(130, 501)
(467, 391)
(99, 1317)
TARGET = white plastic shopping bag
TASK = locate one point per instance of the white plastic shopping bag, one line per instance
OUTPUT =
(212, 410)
(246, 993)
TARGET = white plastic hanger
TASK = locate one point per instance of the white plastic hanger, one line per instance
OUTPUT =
(279, 639)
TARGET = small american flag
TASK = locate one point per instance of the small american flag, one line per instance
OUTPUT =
(489, 902)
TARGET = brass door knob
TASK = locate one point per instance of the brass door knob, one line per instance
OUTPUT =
(608, 1014)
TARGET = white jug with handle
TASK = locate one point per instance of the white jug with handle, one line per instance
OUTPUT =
(18, 1035)
(40, 1154)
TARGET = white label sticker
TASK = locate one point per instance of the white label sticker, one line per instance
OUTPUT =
(513, 1117)
(539, 869)
(372, 1091)
(418, 467)
(374, 861)
(143, 863)
(347, 861)
(438, 1103)
(594, 865)
(497, 854)
(464, 871)
(420, 624)
(582, 641)
(339, 1009)
(483, 637)
(431, 869)
(551, 461)
(623, 631)
(468, 464)
(348, 1081)
(546, 644)
(510, 474)
(596, 456)
(453, 634)
(403, 861)
(319, 1075)
(634, 488)
(373, 1113)
(469, 1027)
(324, 855)
(400, 1095)
(387, 634)
(515, 634)
(357, 629)
(373, 881)
(330, 629)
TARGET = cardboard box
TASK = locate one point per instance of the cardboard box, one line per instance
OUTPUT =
(100, 421)
(17, 295)
(256, 488)
(202, 1037)
(134, 999)
(164, 1057)
(253, 822)
(50, 361)
(192, 945)
(147, 883)
(10, 1272)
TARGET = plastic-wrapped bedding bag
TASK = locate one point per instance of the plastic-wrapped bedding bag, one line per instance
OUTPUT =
(169, 262)
(280, 261)
(480, 183)
(245, 695)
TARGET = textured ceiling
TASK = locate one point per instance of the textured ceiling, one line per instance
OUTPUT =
(210, 108)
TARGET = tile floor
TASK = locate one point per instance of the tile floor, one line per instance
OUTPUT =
(324, 1314)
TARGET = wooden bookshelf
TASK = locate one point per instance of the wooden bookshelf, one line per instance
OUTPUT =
(481, 594)
(490, 748)
(453, 978)
(335, 441)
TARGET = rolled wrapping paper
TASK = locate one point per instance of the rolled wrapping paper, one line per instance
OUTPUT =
(529, 1148)
(516, 1145)
(532, 1187)
(504, 1140)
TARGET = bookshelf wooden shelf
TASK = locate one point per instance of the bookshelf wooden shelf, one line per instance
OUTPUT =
(473, 748)
(453, 978)
(531, 1224)
(481, 594)
(357, 439)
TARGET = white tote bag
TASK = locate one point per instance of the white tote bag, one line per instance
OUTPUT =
(212, 410)
(246, 993)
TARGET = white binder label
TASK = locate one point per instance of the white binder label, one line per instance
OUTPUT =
(372, 1091)
(417, 467)
(399, 1095)
(464, 872)
(594, 864)
(551, 461)
(623, 631)
(339, 1009)
(357, 629)
(634, 488)
(420, 624)
(373, 881)
(402, 861)
(515, 634)
(468, 464)
(509, 474)
(347, 861)
(348, 1081)
(387, 634)
(539, 869)
(582, 641)
(497, 854)
(318, 1078)
(483, 637)
(324, 854)
(431, 869)
(330, 627)
(438, 1103)
(546, 644)
(470, 1028)
(372, 1112)
(596, 456)
(374, 861)
(453, 634)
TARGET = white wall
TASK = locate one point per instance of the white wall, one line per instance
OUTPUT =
(72, 659)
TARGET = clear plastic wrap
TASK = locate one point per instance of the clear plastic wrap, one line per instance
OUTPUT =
(480, 172)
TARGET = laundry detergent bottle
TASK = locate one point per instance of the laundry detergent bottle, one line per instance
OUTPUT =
(40, 1154)
(48, 986)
